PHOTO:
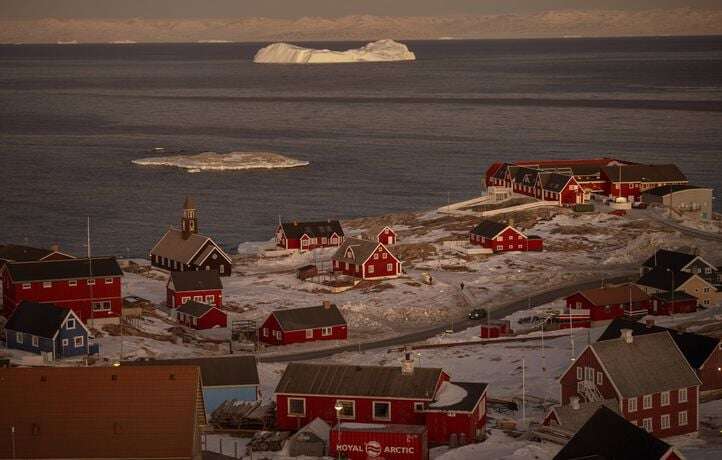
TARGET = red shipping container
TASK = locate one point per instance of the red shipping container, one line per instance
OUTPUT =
(366, 441)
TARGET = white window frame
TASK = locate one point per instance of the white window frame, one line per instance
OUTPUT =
(185, 299)
(632, 405)
(647, 402)
(589, 374)
(600, 378)
(35, 340)
(419, 407)
(326, 331)
(373, 410)
(389, 267)
(580, 373)
(70, 323)
(309, 333)
(664, 398)
(108, 280)
(78, 341)
(198, 298)
(376, 256)
(265, 332)
(19, 337)
(371, 269)
(65, 342)
(210, 298)
(384, 256)
(295, 414)
(341, 416)
(27, 285)
(499, 248)
(647, 424)
(682, 419)
(73, 283)
(47, 284)
(90, 282)
(682, 395)
(664, 422)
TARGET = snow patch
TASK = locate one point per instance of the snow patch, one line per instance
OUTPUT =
(448, 395)
(378, 51)
(212, 161)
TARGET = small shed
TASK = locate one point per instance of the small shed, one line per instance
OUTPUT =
(307, 271)
(495, 329)
(201, 316)
(310, 441)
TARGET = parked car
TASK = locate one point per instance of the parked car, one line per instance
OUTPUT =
(477, 314)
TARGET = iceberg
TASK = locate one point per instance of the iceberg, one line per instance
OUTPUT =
(378, 51)
(212, 161)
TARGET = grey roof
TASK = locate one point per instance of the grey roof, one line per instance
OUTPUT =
(673, 296)
(667, 189)
(661, 278)
(41, 319)
(554, 182)
(364, 381)
(644, 173)
(666, 258)
(195, 309)
(327, 228)
(571, 420)
(48, 270)
(221, 371)
(196, 280)
(174, 247)
(374, 230)
(360, 249)
(608, 436)
(474, 392)
(525, 176)
(650, 364)
(295, 319)
(489, 228)
(20, 253)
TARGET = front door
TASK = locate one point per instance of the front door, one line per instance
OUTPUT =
(390, 240)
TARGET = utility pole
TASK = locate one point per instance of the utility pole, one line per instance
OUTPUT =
(523, 392)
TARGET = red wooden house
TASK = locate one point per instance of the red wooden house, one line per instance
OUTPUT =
(306, 236)
(607, 303)
(629, 181)
(284, 327)
(90, 287)
(561, 188)
(201, 316)
(20, 253)
(381, 233)
(366, 260)
(495, 329)
(670, 303)
(502, 237)
(652, 382)
(204, 287)
(381, 395)
(187, 250)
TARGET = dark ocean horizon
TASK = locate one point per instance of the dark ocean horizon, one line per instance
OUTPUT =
(380, 137)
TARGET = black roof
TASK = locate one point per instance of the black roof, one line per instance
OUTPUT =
(309, 317)
(474, 392)
(200, 280)
(41, 319)
(195, 309)
(607, 435)
(555, 181)
(661, 278)
(669, 296)
(221, 371)
(48, 270)
(669, 259)
(20, 253)
(644, 173)
(488, 228)
(325, 228)
(696, 348)
(667, 189)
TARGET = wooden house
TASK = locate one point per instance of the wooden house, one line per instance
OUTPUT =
(502, 237)
(671, 303)
(90, 287)
(561, 423)
(680, 261)
(306, 236)
(202, 286)
(703, 353)
(366, 260)
(201, 315)
(46, 329)
(560, 188)
(661, 280)
(21, 253)
(187, 250)
(309, 324)
(495, 329)
(652, 382)
(607, 303)
(153, 413)
(630, 181)
(381, 233)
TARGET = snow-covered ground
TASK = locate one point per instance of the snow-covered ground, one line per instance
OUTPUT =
(211, 161)
(378, 51)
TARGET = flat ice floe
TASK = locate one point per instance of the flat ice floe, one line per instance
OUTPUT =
(378, 51)
(211, 161)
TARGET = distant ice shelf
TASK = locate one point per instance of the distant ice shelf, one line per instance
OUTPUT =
(378, 51)
(212, 161)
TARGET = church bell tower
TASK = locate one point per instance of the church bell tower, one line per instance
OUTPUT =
(189, 223)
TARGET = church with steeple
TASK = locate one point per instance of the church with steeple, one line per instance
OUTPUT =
(185, 249)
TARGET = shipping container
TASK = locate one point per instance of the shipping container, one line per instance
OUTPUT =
(366, 441)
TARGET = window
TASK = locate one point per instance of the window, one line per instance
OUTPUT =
(707, 270)
(647, 402)
(185, 300)
(682, 395)
(376, 256)
(309, 333)
(195, 321)
(65, 342)
(580, 373)
(382, 410)
(664, 422)
(348, 409)
(664, 398)
(265, 332)
(580, 386)
(35, 340)
(334, 240)
(499, 248)
(371, 268)
(19, 337)
(27, 285)
(579, 305)
(108, 280)
(324, 240)
(326, 331)
(73, 283)
(210, 298)
(501, 238)
(632, 405)
(47, 284)
(91, 282)
(279, 335)
(589, 374)
(198, 298)
(682, 418)
(78, 341)
(70, 324)
(384, 256)
(102, 306)
(600, 378)
(389, 267)
(346, 264)
(296, 407)
(647, 424)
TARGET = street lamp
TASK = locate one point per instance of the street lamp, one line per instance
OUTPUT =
(338, 408)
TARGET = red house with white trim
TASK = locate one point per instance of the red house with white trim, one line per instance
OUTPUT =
(201, 316)
(650, 379)
(368, 260)
(307, 236)
(502, 237)
(381, 233)
(630, 181)
(297, 325)
(202, 286)
(607, 303)
(94, 294)
(381, 395)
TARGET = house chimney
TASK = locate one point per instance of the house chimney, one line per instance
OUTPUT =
(574, 402)
(326, 304)
(55, 247)
(649, 322)
(407, 364)
(627, 335)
